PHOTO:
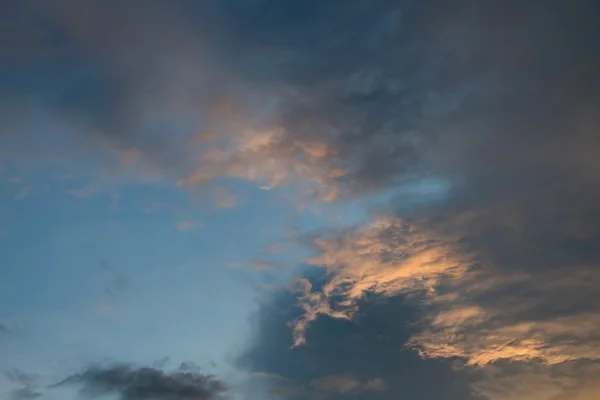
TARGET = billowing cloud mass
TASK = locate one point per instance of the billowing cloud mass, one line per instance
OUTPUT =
(467, 316)
(361, 359)
(131, 383)
(478, 120)
(258, 101)
(544, 319)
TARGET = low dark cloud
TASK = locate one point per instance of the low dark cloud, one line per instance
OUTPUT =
(363, 359)
(133, 383)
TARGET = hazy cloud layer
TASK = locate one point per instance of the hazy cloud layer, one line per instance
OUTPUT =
(251, 90)
(29, 385)
(473, 310)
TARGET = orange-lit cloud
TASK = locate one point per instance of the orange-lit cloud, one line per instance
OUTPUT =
(461, 320)
(388, 257)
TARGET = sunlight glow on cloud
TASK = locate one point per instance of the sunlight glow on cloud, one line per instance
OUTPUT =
(392, 257)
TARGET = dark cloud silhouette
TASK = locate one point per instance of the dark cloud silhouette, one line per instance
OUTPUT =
(131, 383)
(364, 359)
(24, 394)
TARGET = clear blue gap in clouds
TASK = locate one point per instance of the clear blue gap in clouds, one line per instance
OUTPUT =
(181, 299)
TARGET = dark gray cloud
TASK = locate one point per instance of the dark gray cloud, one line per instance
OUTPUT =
(131, 383)
(24, 394)
(364, 359)
(496, 99)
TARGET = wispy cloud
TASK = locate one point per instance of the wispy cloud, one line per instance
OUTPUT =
(184, 226)
(29, 385)
(346, 384)
(223, 198)
(117, 280)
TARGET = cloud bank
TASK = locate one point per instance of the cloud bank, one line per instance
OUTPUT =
(496, 100)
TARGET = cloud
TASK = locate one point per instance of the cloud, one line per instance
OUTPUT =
(24, 394)
(18, 376)
(30, 190)
(278, 110)
(183, 226)
(105, 308)
(28, 383)
(472, 309)
(363, 359)
(284, 391)
(346, 384)
(498, 103)
(130, 383)
(275, 110)
(503, 265)
(260, 264)
(118, 281)
(223, 198)
(263, 265)
(388, 257)
(521, 381)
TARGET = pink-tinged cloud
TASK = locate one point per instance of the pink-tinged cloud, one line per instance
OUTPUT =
(184, 226)
(224, 198)
(347, 384)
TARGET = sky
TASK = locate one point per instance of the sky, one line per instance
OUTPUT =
(299, 200)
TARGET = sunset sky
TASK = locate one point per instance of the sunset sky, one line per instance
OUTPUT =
(299, 200)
